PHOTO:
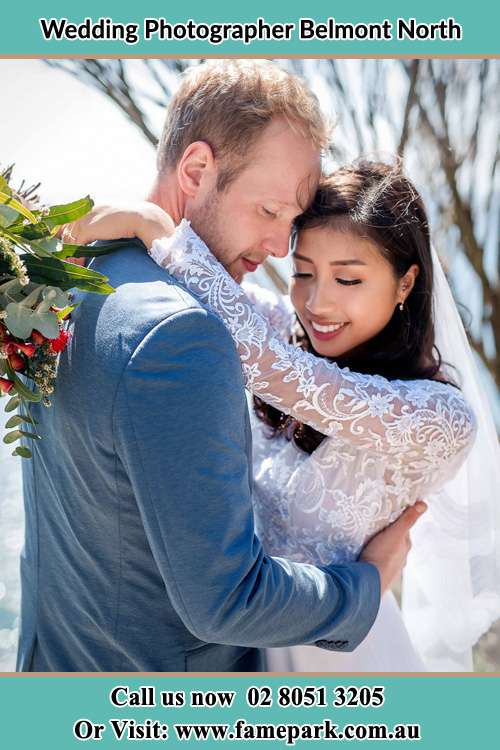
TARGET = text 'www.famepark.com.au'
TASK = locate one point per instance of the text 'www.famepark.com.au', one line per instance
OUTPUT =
(129, 729)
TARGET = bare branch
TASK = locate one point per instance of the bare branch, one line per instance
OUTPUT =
(414, 69)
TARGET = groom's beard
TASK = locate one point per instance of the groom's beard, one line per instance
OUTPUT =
(208, 224)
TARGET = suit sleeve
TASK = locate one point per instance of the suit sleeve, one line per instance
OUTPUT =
(180, 429)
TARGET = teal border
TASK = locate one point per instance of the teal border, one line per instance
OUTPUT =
(20, 33)
(452, 711)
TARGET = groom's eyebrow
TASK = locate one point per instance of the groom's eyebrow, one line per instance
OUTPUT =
(347, 262)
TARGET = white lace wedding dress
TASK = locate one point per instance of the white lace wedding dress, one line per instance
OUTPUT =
(388, 443)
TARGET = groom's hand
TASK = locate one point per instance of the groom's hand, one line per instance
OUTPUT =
(389, 549)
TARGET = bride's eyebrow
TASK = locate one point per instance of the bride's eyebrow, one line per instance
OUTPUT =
(349, 262)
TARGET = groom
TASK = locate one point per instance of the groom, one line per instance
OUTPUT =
(140, 550)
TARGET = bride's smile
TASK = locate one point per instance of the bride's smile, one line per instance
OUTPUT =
(344, 290)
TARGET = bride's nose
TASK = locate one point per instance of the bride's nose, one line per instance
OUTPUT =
(320, 301)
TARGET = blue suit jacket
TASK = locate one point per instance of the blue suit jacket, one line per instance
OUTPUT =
(140, 552)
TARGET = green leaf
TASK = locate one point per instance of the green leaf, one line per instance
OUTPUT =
(11, 437)
(66, 311)
(18, 419)
(13, 404)
(30, 435)
(94, 251)
(64, 275)
(57, 297)
(68, 212)
(14, 421)
(7, 216)
(17, 206)
(23, 391)
(31, 231)
(22, 451)
(21, 320)
(46, 247)
(33, 296)
(4, 185)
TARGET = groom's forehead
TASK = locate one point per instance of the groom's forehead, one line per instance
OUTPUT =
(285, 196)
(288, 188)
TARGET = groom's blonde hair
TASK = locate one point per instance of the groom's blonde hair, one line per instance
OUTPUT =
(227, 104)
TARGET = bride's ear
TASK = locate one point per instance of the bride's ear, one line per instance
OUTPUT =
(196, 169)
(407, 282)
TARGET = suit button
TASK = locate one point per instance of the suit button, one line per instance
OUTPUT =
(331, 645)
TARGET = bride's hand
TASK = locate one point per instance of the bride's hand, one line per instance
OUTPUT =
(144, 220)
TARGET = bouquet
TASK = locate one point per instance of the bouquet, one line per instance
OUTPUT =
(36, 280)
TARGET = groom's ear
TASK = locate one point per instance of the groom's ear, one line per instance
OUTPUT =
(196, 169)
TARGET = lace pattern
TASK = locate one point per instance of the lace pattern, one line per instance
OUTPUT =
(389, 442)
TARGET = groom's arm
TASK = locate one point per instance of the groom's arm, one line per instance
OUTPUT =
(180, 430)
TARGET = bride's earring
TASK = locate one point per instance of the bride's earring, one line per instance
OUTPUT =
(401, 306)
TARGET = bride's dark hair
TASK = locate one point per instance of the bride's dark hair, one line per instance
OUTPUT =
(377, 202)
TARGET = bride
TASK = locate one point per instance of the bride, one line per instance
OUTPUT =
(356, 415)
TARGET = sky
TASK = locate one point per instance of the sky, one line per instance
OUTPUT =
(62, 132)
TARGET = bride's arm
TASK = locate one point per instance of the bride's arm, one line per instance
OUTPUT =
(423, 424)
(426, 421)
(275, 308)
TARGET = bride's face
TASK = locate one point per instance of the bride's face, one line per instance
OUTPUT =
(343, 289)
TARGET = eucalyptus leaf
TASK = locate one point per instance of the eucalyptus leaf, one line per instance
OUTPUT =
(11, 437)
(13, 404)
(22, 451)
(30, 435)
(18, 419)
(11, 287)
(22, 390)
(33, 296)
(21, 320)
(57, 296)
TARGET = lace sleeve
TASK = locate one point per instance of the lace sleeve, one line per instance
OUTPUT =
(423, 423)
(275, 308)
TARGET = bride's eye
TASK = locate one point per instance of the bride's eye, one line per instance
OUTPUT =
(298, 275)
(267, 212)
(348, 282)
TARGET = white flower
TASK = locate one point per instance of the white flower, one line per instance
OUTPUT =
(378, 405)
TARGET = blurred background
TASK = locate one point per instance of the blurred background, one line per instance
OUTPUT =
(91, 126)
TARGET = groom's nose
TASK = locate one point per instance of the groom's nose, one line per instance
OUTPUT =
(277, 244)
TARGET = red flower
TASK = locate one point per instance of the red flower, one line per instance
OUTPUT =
(59, 344)
(6, 385)
(27, 349)
(16, 362)
(37, 338)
